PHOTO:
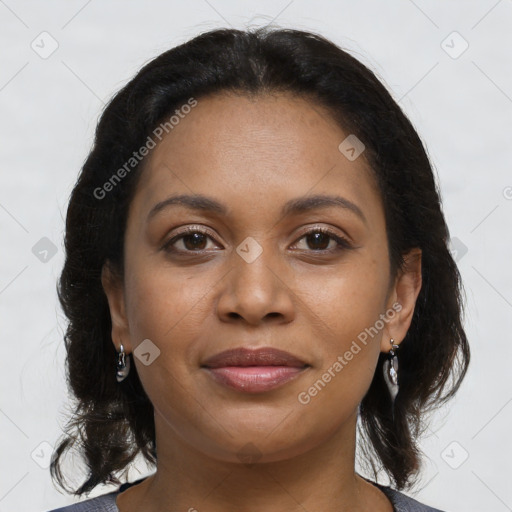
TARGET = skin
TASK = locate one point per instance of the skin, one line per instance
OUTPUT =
(252, 155)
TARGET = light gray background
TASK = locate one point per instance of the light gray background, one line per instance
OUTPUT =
(459, 102)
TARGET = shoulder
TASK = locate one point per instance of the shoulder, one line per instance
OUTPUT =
(103, 503)
(403, 503)
(107, 502)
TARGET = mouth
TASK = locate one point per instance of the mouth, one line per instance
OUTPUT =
(254, 371)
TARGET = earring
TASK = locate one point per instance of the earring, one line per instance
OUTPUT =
(123, 364)
(390, 368)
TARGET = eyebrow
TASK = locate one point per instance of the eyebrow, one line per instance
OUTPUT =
(294, 206)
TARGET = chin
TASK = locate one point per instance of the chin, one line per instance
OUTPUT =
(267, 440)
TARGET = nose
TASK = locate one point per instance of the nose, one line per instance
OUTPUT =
(256, 292)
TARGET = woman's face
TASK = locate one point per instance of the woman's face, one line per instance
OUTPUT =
(262, 264)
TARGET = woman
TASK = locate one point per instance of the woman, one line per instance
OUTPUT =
(254, 242)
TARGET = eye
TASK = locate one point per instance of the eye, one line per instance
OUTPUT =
(192, 239)
(324, 240)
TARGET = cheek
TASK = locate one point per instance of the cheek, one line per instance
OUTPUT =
(169, 311)
(348, 300)
(350, 347)
(346, 309)
(163, 302)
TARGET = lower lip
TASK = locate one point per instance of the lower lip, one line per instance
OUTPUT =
(254, 379)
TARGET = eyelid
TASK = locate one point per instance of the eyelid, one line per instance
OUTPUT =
(324, 229)
(342, 241)
(188, 230)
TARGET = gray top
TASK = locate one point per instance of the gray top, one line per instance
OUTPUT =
(107, 502)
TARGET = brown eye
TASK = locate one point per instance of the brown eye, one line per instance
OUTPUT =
(194, 241)
(323, 240)
(191, 240)
(318, 240)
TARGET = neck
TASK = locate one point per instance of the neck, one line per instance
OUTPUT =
(322, 478)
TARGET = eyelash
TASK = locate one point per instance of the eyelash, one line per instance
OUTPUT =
(342, 243)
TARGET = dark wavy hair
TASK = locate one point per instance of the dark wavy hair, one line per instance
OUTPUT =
(113, 422)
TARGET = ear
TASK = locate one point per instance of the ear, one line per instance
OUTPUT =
(403, 295)
(114, 290)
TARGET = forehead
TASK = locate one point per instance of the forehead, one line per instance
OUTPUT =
(255, 150)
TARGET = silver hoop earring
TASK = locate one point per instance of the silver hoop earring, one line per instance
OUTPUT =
(390, 368)
(123, 364)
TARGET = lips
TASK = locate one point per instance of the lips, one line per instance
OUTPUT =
(258, 357)
(254, 371)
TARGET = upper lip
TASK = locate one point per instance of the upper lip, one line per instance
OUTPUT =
(242, 356)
